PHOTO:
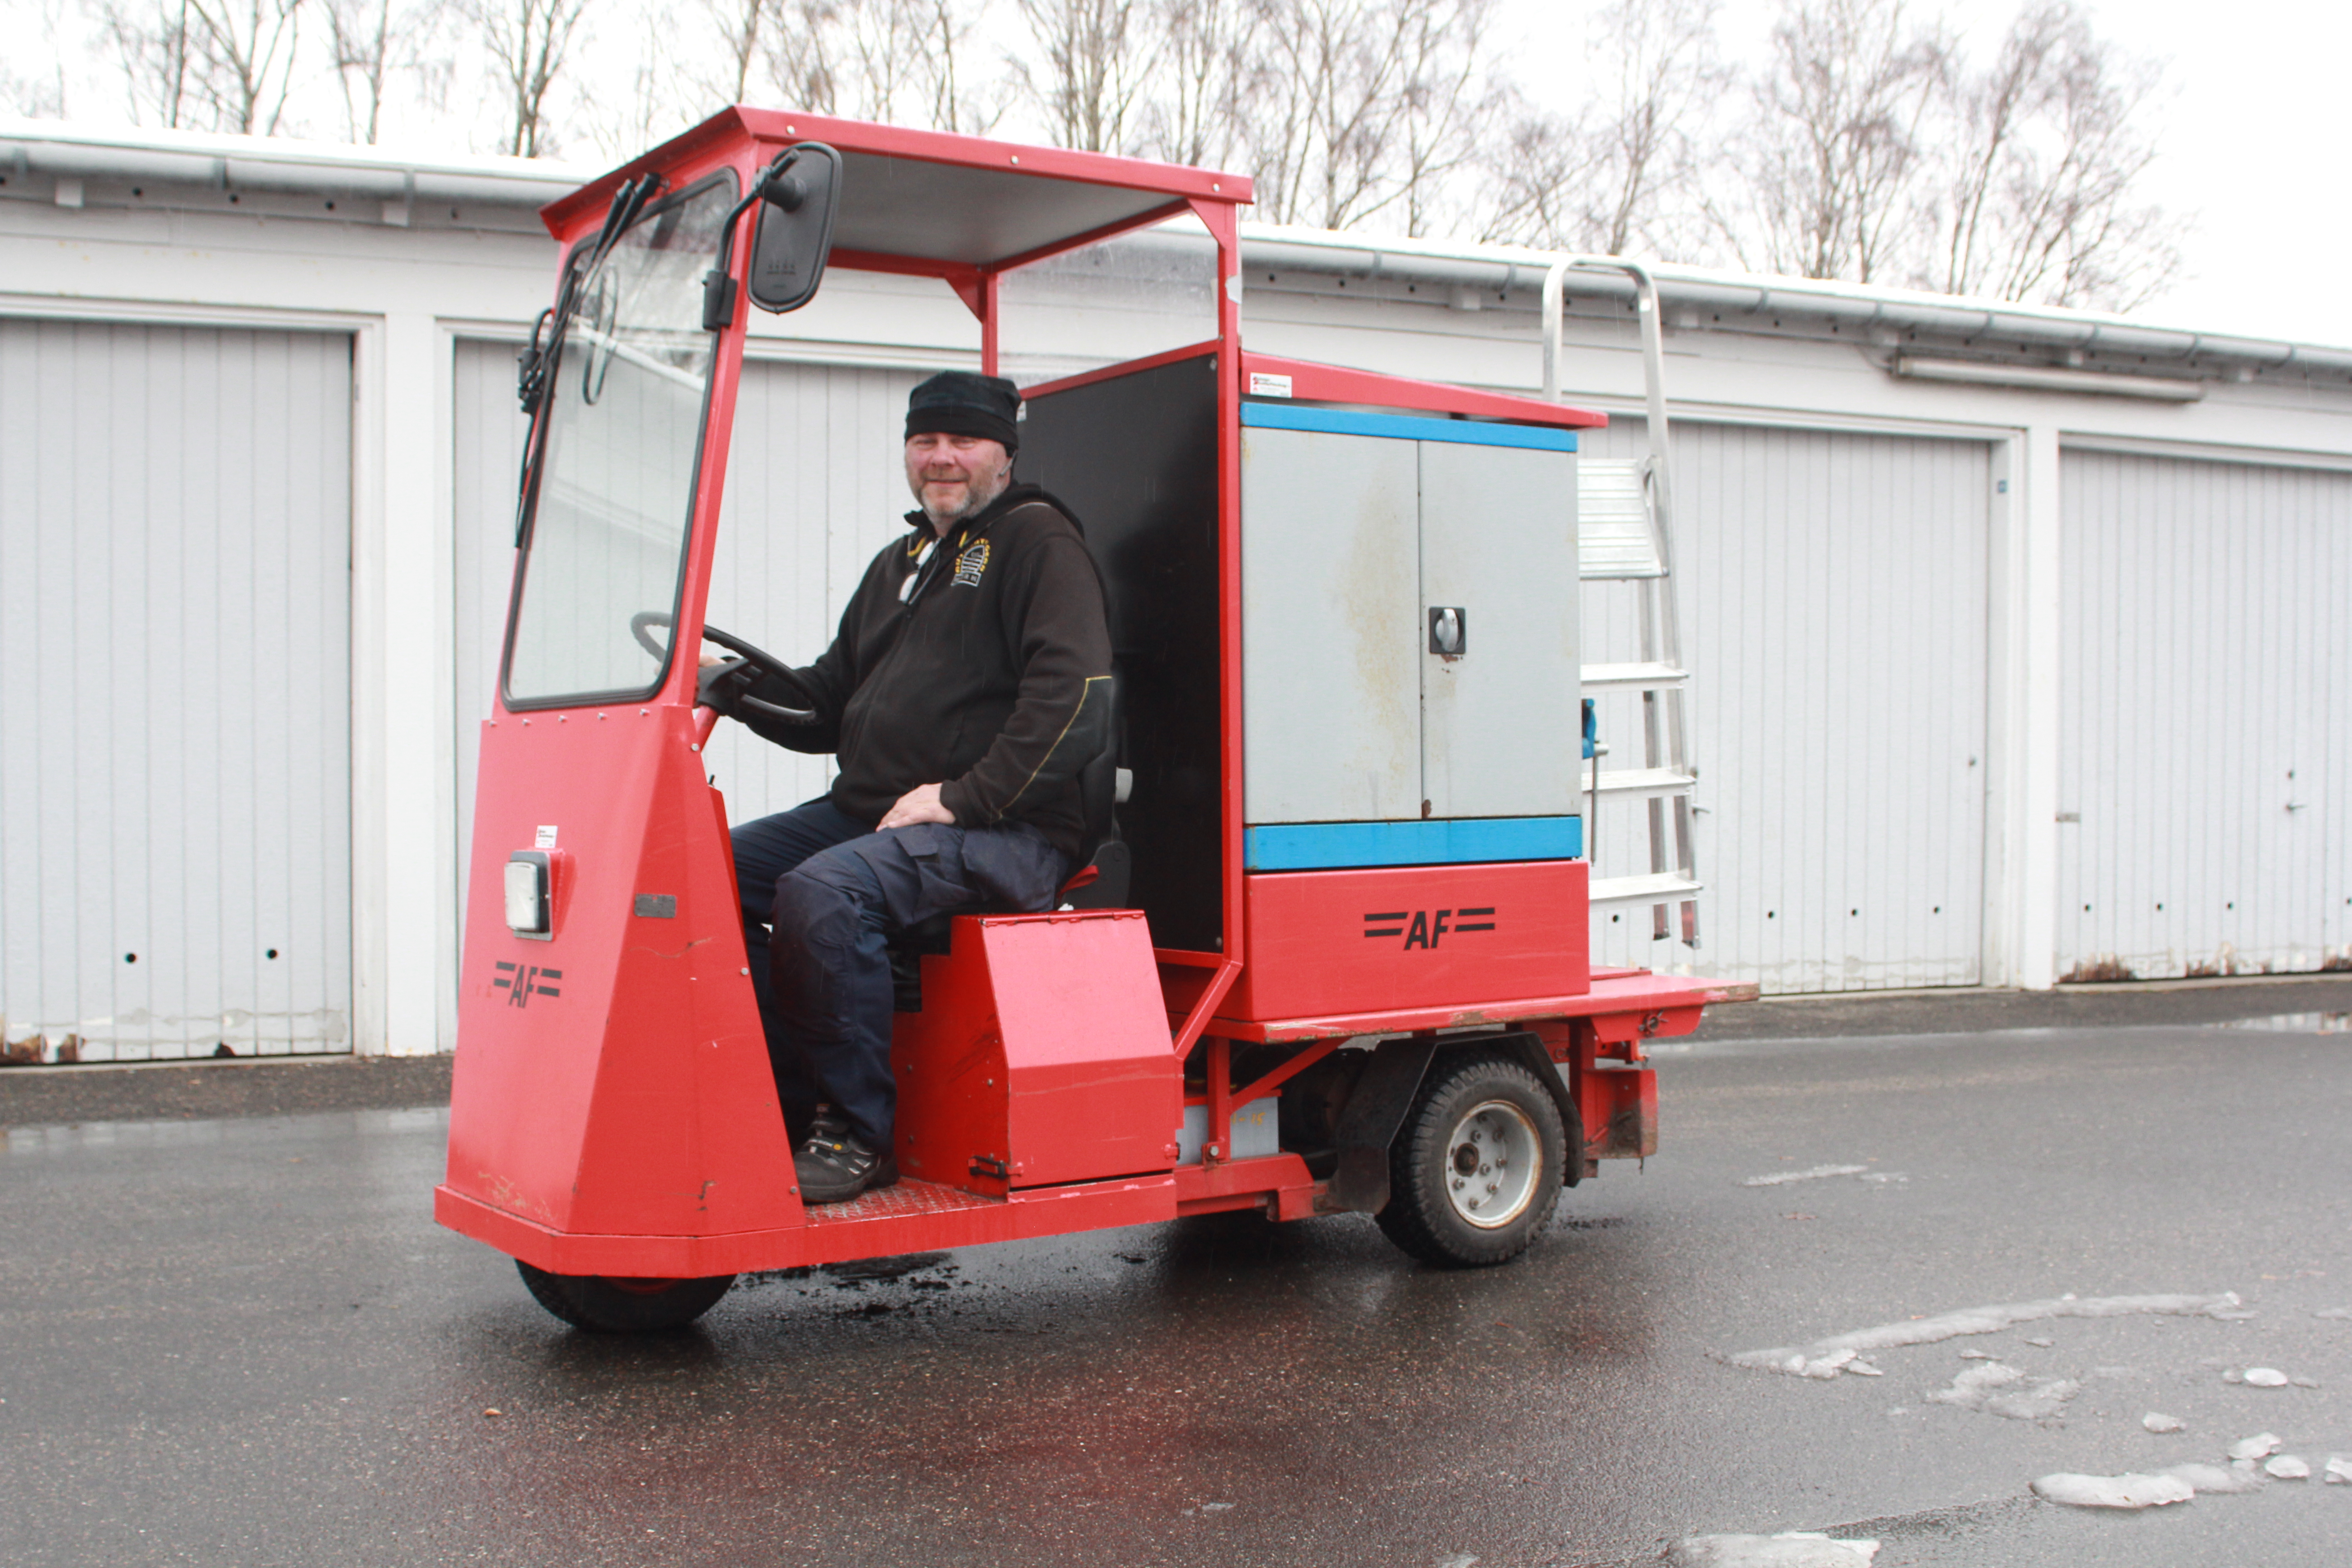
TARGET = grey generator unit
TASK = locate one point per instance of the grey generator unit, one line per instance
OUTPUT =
(1409, 631)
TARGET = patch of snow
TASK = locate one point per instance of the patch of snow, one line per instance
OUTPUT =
(2265, 1377)
(2113, 1491)
(2255, 1446)
(2157, 1422)
(2214, 1478)
(2002, 1390)
(1800, 1361)
(1781, 1178)
(2339, 1470)
(2042, 1344)
(1863, 1368)
(2338, 1312)
(1790, 1549)
(2287, 1468)
(2304, 1382)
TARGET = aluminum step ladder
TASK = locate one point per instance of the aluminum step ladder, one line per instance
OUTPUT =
(1623, 537)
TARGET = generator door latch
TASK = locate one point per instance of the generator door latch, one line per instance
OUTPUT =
(1449, 630)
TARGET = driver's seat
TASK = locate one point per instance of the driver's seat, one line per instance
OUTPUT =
(1101, 882)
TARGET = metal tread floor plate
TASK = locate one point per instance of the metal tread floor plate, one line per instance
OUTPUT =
(906, 1199)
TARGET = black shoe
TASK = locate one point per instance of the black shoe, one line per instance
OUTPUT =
(834, 1164)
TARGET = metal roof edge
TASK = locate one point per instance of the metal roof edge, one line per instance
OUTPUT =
(74, 150)
(1510, 266)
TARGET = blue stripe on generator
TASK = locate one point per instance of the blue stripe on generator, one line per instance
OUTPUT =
(1407, 426)
(1332, 846)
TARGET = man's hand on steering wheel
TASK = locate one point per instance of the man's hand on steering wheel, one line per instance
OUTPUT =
(722, 683)
(725, 685)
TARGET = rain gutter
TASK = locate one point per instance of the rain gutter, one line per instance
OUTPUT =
(1883, 316)
(77, 154)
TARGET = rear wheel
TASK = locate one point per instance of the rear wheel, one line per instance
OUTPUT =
(609, 1305)
(1476, 1171)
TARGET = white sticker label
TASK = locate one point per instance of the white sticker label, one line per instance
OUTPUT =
(1264, 385)
(546, 839)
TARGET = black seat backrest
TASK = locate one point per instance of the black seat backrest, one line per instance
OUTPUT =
(1102, 850)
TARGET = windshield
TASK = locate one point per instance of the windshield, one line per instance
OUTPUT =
(605, 542)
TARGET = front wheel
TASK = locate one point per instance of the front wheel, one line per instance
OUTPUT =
(1476, 1171)
(607, 1305)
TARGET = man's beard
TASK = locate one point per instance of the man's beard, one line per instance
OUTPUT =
(975, 502)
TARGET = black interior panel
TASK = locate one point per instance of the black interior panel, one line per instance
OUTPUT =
(1136, 458)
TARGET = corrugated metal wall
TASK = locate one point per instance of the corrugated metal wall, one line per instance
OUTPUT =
(814, 487)
(2205, 780)
(1834, 597)
(175, 714)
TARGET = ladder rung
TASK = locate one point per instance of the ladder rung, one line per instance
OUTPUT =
(1613, 521)
(1642, 782)
(1655, 887)
(1633, 677)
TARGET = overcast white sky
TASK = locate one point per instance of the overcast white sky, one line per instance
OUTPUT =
(2254, 147)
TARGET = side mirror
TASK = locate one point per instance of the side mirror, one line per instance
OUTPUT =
(794, 233)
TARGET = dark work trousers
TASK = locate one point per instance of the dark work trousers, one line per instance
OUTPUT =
(821, 892)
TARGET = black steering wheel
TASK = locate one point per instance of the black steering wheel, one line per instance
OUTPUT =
(754, 662)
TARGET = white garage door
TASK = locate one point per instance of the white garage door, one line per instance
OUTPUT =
(174, 719)
(814, 487)
(2205, 779)
(1835, 615)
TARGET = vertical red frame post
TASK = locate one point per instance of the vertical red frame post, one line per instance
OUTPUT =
(991, 285)
(710, 476)
(1223, 222)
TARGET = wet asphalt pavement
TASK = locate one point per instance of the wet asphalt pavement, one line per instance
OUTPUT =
(241, 1340)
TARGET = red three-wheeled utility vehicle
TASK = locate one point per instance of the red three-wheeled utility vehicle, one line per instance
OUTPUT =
(1329, 953)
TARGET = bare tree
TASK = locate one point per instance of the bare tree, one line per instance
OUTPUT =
(1360, 108)
(150, 41)
(1832, 153)
(1094, 58)
(1448, 104)
(245, 51)
(2046, 154)
(897, 60)
(40, 94)
(528, 42)
(742, 29)
(1599, 180)
(372, 40)
(1208, 53)
(222, 65)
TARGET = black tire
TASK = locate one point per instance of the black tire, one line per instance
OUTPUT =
(611, 1306)
(1443, 1170)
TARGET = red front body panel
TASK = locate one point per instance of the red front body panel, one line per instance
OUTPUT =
(614, 1078)
(1402, 937)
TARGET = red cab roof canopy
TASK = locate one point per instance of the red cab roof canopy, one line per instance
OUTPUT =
(938, 204)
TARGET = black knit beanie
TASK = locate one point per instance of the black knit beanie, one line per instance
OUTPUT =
(959, 403)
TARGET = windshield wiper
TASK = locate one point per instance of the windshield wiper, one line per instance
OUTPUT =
(535, 367)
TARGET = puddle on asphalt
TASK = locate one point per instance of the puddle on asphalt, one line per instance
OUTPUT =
(2294, 1023)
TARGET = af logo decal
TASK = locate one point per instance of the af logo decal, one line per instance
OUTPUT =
(971, 564)
(1428, 929)
(522, 981)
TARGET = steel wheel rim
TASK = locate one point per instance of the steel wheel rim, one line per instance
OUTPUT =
(1492, 1159)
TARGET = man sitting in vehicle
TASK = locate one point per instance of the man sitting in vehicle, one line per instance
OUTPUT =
(968, 685)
